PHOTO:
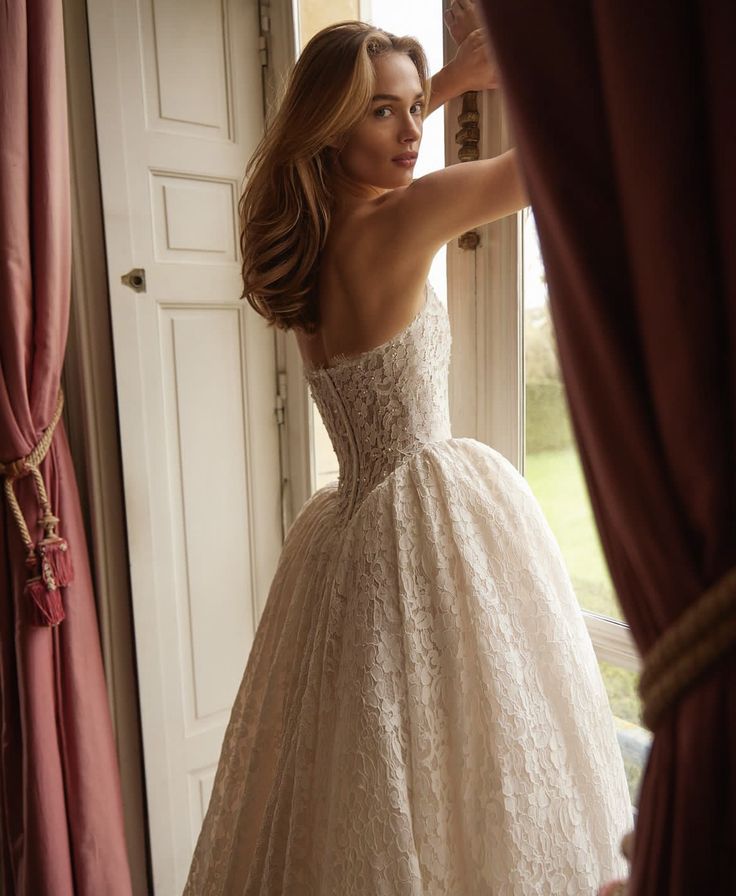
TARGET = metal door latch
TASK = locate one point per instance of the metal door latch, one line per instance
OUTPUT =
(135, 279)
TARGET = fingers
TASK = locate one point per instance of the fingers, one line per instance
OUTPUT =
(461, 18)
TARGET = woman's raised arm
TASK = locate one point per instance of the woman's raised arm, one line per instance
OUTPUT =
(438, 207)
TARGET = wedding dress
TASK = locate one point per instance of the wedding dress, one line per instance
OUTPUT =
(421, 713)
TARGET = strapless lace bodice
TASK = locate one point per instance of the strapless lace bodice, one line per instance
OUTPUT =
(382, 406)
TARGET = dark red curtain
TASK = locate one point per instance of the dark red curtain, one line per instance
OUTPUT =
(61, 822)
(625, 122)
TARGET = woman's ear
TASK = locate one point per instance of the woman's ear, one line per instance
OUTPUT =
(337, 144)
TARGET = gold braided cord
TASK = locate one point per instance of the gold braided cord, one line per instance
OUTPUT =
(17, 468)
(17, 513)
(48, 520)
(694, 642)
(29, 464)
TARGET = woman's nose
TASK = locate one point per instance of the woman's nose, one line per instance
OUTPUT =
(411, 129)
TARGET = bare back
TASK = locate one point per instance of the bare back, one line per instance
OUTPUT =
(377, 256)
(369, 286)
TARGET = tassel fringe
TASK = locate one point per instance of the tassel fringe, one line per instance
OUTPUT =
(59, 557)
(45, 605)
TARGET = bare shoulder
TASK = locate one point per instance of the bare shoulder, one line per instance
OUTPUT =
(371, 249)
(369, 286)
(441, 205)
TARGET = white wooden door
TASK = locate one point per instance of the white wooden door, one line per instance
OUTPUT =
(178, 100)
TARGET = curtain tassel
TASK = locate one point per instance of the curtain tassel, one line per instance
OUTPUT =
(42, 590)
(44, 603)
(55, 551)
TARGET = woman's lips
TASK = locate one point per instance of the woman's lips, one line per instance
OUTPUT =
(405, 163)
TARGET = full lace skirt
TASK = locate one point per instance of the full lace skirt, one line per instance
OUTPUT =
(422, 712)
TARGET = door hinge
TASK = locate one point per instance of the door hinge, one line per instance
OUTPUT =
(265, 14)
(281, 400)
(265, 17)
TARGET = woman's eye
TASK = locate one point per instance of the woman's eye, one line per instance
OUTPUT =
(377, 112)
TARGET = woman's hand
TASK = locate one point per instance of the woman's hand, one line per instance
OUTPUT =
(462, 18)
(474, 66)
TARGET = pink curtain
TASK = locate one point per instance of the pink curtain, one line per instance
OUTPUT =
(61, 818)
(625, 124)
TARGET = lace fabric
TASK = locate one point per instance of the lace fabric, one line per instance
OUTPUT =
(421, 713)
(382, 406)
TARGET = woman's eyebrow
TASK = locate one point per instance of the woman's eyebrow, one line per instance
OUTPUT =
(390, 96)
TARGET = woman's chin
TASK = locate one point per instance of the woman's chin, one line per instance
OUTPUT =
(402, 176)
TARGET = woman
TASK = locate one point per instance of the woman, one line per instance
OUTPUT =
(421, 711)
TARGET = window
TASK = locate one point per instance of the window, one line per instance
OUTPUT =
(506, 388)
(421, 19)
(552, 467)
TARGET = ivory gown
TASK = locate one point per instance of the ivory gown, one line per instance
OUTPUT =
(421, 713)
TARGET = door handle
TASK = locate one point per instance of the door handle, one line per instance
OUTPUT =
(135, 279)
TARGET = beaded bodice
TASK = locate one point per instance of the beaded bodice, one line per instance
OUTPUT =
(381, 406)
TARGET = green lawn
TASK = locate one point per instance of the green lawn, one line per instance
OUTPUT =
(556, 478)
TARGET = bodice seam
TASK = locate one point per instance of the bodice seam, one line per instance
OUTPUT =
(353, 453)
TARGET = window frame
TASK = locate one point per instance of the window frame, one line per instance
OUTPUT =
(485, 305)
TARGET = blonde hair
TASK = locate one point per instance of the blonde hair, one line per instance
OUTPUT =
(286, 204)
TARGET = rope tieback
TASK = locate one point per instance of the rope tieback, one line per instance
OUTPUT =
(691, 645)
(698, 638)
(48, 562)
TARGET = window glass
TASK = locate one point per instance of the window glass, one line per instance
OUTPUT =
(421, 19)
(552, 468)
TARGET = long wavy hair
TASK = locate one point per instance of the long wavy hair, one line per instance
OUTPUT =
(287, 200)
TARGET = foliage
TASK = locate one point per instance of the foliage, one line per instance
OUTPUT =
(547, 420)
(540, 348)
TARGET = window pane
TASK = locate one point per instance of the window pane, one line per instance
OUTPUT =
(552, 467)
(634, 740)
(551, 462)
(421, 19)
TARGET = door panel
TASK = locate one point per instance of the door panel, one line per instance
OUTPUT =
(178, 100)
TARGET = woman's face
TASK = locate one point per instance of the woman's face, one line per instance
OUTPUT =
(392, 127)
